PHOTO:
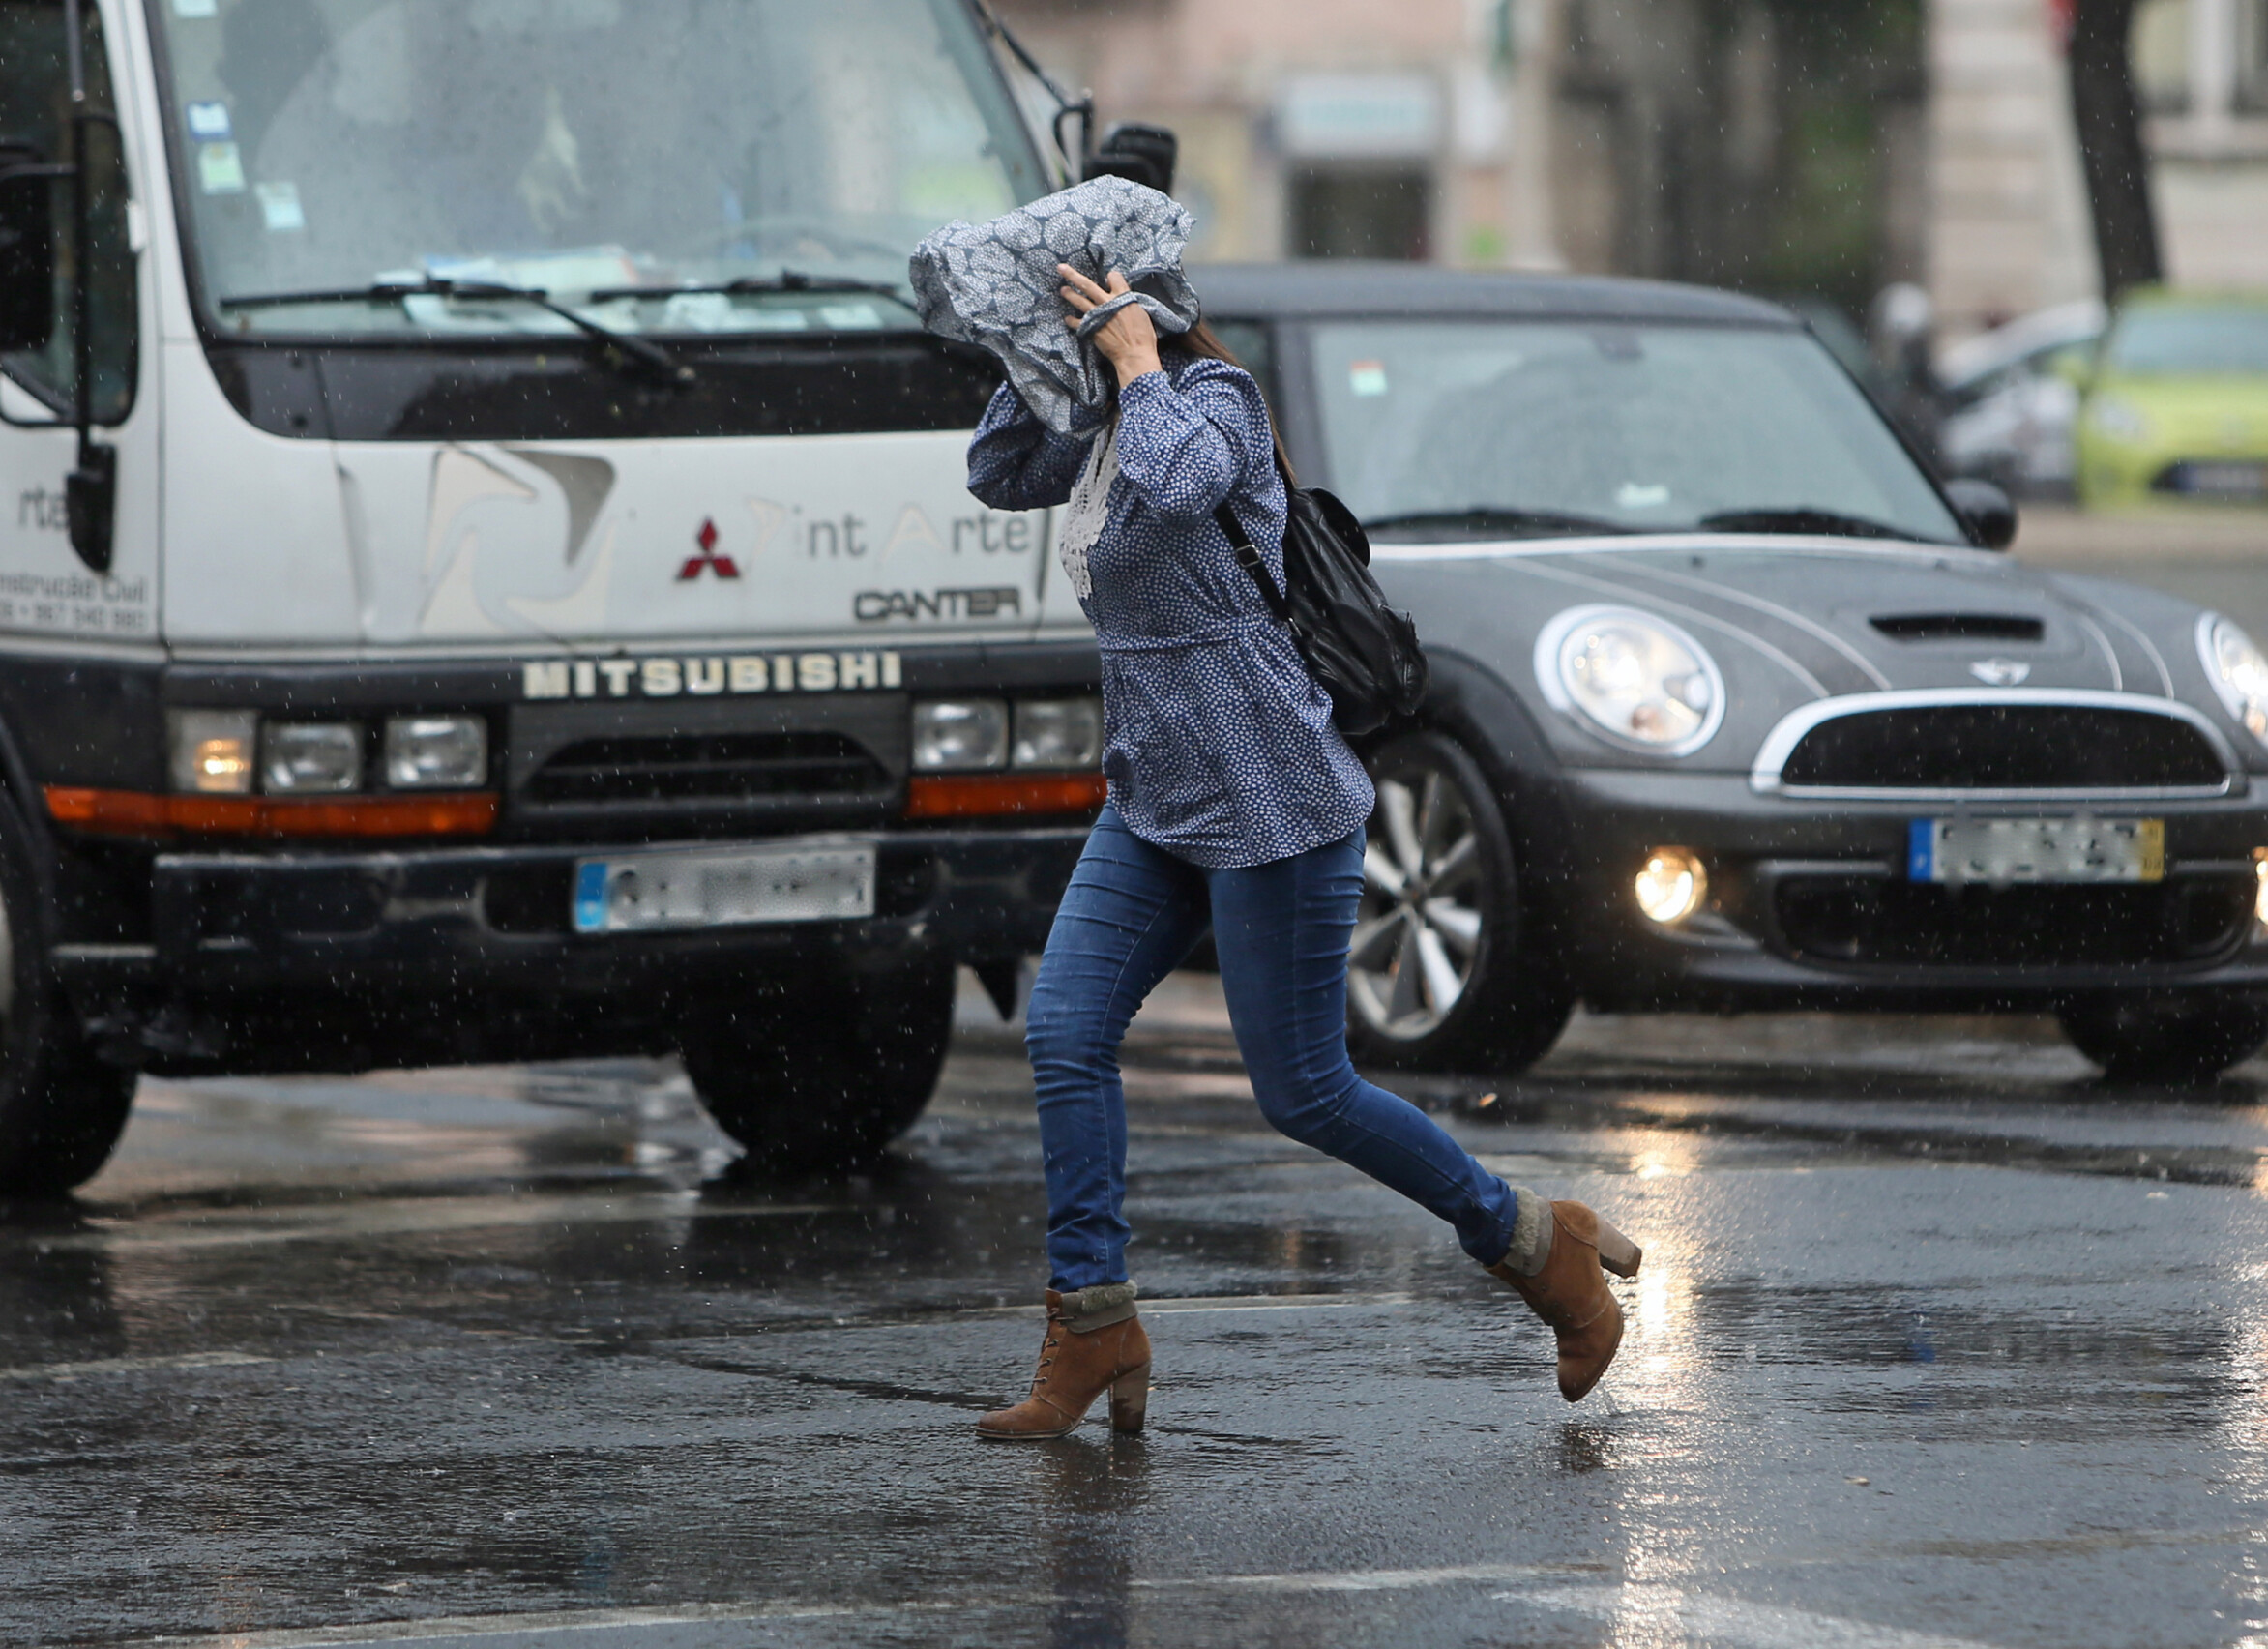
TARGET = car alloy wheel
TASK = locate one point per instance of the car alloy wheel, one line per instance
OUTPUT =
(1438, 978)
(1419, 930)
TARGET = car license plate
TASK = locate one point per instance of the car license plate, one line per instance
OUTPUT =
(2036, 850)
(721, 887)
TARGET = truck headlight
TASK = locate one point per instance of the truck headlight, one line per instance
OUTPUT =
(437, 753)
(2237, 670)
(1638, 679)
(960, 735)
(210, 752)
(1058, 732)
(300, 758)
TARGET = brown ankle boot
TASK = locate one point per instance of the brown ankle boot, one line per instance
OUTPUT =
(1570, 1295)
(1094, 1339)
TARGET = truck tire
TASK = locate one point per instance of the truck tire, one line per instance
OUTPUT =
(61, 1109)
(820, 1084)
(1442, 974)
(2172, 1040)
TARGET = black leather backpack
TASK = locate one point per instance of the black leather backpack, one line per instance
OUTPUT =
(1363, 653)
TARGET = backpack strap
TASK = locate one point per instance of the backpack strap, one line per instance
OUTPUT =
(1249, 557)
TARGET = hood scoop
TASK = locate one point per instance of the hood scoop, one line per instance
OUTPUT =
(1961, 627)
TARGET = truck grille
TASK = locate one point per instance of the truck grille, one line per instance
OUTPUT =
(713, 766)
(2004, 746)
(1873, 919)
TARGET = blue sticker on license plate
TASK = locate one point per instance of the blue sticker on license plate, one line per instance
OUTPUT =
(590, 897)
(1921, 851)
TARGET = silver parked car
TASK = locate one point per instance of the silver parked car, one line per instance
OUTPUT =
(2011, 399)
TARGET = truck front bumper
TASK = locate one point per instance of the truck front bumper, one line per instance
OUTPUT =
(238, 937)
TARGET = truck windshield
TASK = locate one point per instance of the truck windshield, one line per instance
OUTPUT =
(699, 165)
(1472, 429)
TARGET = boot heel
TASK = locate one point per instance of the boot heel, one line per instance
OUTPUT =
(1130, 1399)
(1616, 1251)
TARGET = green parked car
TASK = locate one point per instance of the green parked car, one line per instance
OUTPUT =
(2176, 409)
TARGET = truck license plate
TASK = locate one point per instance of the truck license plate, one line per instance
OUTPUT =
(2036, 850)
(720, 887)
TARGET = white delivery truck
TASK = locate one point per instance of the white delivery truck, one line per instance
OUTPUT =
(485, 565)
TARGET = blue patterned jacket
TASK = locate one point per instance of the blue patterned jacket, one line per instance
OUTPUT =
(1218, 744)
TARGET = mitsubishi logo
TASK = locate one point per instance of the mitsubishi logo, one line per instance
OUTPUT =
(722, 565)
(2000, 672)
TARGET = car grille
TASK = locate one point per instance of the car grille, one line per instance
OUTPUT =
(694, 766)
(2004, 746)
(1873, 919)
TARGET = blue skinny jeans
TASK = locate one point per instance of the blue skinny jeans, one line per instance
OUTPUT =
(1131, 914)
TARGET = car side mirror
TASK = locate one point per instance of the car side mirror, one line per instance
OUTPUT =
(1988, 512)
(27, 250)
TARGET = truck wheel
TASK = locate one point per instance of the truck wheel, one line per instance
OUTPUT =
(814, 1085)
(61, 1109)
(2170, 1040)
(1439, 976)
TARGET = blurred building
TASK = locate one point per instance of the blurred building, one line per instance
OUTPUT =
(1771, 143)
(2008, 230)
(1805, 148)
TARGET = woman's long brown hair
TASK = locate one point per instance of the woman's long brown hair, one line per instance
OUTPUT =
(1203, 343)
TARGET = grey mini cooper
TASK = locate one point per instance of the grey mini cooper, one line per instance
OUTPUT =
(1735, 707)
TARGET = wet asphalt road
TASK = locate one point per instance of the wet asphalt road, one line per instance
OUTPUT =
(1937, 1342)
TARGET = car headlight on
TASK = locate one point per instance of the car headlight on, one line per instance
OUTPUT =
(2238, 671)
(960, 735)
(1058, 732)
(2120, 419)
(211, 752)
(437, 753)
(322, 759)
(1638, 679)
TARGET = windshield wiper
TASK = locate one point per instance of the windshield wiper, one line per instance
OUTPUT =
(1486, 518)
(647, 354)
(786, 281)
(1826, 523)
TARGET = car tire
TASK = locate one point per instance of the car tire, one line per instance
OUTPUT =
(1442, 974)
(62, 1109)
(2174, 1040)
(822, 1081)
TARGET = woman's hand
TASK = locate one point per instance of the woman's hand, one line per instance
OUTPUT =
(1127, 340)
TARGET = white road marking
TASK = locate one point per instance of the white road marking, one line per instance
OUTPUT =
(410, 1216)
(1377, 1579)
(435, 1630)
(1658, 1613)
(131, 1365)
(1198, 1304)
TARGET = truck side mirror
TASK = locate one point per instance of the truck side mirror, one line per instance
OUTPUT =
(1146, 154)
(27, 250)
(1988, 512)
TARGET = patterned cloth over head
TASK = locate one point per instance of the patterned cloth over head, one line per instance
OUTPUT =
(996, 284)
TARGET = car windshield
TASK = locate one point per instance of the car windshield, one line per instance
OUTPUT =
(2222, 338)
(748, 165)
(1493, 430)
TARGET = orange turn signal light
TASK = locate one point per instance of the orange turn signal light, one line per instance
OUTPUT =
(990, 795)
(134, 812)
